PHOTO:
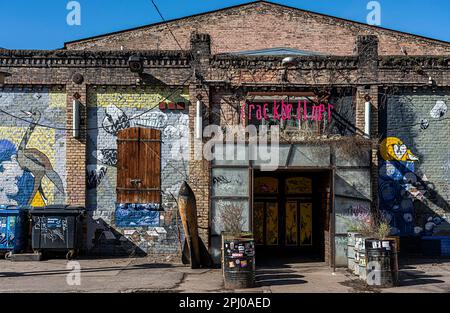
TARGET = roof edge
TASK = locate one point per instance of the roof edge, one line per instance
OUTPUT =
(251, 3)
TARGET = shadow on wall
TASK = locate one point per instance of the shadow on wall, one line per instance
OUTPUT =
(414, 145)
(107, 241)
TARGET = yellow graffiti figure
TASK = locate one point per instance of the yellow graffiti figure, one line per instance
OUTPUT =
(393, 149)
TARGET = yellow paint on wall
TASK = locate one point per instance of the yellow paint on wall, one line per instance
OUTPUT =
(272, 224)
(306, 224)
(57, 99)
(393, 148)
(258, 222)
(42, 139)
(299, 185)
(139, 98)
(38, 200)
(291, 223)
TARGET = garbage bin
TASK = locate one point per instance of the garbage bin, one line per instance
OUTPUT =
(13, 229)
(238, 261)
(57, 228)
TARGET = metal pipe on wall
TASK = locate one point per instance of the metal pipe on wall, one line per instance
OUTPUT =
(198, 121)
(367, 119)
(76, 119)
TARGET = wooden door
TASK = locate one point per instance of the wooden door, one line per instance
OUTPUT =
(139, 165)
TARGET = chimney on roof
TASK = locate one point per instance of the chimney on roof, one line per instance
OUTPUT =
(367, 51)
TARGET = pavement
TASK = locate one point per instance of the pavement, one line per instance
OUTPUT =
(140, 275)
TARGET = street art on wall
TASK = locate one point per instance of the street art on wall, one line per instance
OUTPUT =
(32, 157)
(135, 214)
(439, 109)
(111, 110)
(401, 189)
(393, 148)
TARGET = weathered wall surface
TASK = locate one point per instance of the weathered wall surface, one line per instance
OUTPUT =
(261, 26)
(109, 111)
(32, 158)
(414, 185)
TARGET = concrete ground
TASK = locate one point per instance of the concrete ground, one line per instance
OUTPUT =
(140, 275)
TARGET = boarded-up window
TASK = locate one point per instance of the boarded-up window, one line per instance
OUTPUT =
(139, 165)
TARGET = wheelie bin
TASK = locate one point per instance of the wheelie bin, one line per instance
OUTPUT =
(57, 228)
(13, 229)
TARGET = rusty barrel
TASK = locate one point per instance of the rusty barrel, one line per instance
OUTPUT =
(238, 262)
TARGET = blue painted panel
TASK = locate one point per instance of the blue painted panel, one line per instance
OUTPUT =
(136, 215)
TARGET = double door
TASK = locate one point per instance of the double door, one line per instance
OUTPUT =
(284, 211)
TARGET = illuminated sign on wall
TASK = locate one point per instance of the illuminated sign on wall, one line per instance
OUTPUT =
(281, 110)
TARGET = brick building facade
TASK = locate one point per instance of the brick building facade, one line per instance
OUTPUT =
(230, 59)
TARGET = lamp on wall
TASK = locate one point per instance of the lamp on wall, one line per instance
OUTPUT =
(286, 62)
(3, 75)
(136, 64)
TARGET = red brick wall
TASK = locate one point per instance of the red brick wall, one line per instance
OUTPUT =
(265, 25)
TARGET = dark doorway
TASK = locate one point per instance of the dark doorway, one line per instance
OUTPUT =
(290, 214)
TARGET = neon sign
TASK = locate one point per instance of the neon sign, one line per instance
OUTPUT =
(286, 111)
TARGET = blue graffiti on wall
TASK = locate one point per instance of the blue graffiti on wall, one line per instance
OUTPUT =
(16, 185)
(396, 203)
(135, 215)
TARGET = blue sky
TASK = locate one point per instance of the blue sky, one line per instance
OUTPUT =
(41, 24)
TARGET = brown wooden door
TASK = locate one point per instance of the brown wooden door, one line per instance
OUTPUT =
(139, 165)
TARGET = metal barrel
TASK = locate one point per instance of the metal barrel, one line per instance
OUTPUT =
(358, 247)
(362, 259)
(351, 241)
(351, 250)
(238, 263)
(382, 263)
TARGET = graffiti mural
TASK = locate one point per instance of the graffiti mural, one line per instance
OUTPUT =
(113, 109)
(131, 215)
(439, 109)
(393, 148)
(401, 189)
(32, 157)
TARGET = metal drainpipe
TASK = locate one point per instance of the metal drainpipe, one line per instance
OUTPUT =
(333, 223)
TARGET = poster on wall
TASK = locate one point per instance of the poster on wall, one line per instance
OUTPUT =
(306, 224)
(272, 224)
(291, 223)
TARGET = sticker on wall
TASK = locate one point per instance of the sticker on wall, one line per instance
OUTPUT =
(393, 149)
(298, 185)
(439, 109)
(424, 124)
